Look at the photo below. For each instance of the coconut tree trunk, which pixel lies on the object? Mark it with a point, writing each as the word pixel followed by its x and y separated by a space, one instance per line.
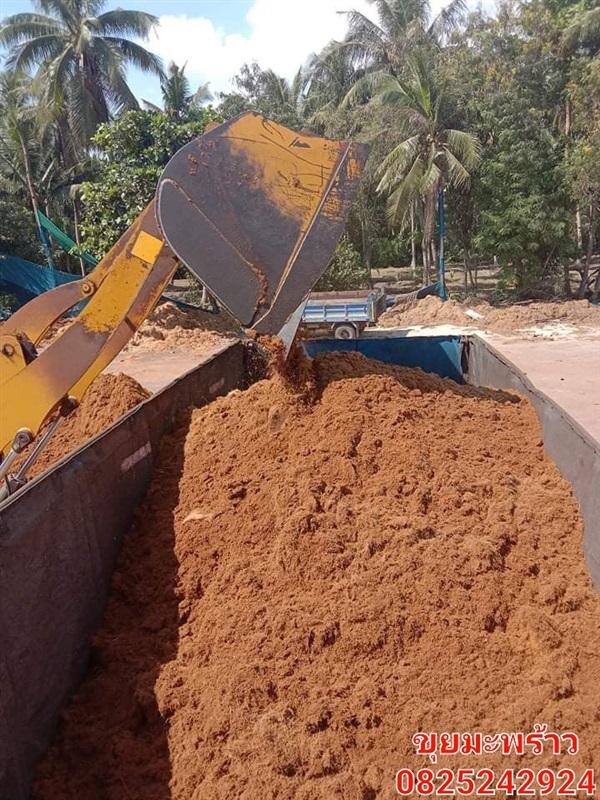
pixel 567 280
pixel 428 235
pixel 93 87
pixel 77 219
pixel 35 205
pixel 588 257
pixel 366 245
pixel 413 244
pixel 596 292
pixel 426 254
pixel 578 230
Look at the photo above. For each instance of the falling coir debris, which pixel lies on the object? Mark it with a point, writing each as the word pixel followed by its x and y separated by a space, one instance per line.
pixel 308 585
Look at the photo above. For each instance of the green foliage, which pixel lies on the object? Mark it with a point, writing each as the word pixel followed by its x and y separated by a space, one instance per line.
pixel 178 99
pixel 135 149
pixel 426 92
pixel 525 216
pixel 8 304
pixel 18 233
pixel 509 78
pixel 344 271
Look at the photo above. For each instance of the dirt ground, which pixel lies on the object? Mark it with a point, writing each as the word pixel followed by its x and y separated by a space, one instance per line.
pixel 319 572
pixel 526 319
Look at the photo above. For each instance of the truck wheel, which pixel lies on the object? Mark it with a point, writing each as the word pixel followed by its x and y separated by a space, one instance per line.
pixel 345 332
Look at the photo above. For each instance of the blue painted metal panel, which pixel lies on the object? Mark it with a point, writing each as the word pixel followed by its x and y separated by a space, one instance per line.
pixel 336 310
pixel 438 354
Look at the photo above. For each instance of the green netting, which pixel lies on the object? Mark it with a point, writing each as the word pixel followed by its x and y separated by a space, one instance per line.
pixel 62 239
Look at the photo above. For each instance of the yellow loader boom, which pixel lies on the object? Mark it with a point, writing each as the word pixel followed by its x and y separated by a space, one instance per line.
pixel 253 209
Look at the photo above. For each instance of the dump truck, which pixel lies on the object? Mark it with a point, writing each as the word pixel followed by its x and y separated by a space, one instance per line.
pixel 345 314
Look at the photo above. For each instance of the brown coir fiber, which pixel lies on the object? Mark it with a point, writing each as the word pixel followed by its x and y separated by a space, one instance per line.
pixel 169 329
pixel 106 400
pixel 308 585
pixel 433 311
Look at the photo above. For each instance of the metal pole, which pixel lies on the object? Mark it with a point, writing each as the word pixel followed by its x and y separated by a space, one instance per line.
pixel 442 262
pixel 35 453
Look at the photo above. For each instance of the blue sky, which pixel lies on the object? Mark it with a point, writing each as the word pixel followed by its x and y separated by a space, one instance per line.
pixel 227 13
pixel 215 37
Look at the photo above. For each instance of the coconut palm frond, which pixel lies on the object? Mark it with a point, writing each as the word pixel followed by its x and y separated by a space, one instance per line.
pixel 400 200
pixel 584 29
pixel 136 55
pixel 202 95
pixel 121 22
pixel 465 146
pixel 397 163
pixel 448 19
pixel 370 85
pixel 20 28
pixel 457 173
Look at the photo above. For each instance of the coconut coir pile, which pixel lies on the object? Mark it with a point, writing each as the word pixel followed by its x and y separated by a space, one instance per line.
pixel 432 311
pixel 170 328
pixel 106 400
pixel 314 579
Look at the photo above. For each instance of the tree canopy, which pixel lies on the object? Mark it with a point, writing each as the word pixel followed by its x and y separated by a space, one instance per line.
pixel 499 115
pixel 80 56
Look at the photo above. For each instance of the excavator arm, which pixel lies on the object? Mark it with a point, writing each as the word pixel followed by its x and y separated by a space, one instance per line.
pixel 253 209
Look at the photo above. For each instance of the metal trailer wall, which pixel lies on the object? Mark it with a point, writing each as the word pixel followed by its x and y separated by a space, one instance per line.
pixel 573 450
pixel 58 546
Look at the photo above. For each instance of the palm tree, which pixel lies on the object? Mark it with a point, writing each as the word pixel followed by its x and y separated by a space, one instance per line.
pixel 25 159
pixel 402 26
pixel 429 157
pixel 584 30
pixel 329 75
pixel 270 94
pixel 81 56
pixel 177 95
pixel 31 168
pixel 282 99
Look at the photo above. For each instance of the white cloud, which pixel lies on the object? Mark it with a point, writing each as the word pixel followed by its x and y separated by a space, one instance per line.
pixel 279 39
pixel 282 36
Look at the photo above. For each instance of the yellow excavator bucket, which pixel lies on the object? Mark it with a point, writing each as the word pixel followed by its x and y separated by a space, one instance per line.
pixel 255 211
